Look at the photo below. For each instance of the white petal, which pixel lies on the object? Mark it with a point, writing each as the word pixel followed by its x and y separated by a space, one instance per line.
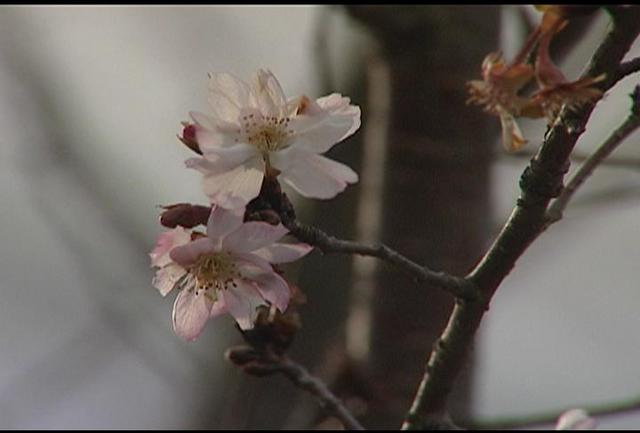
pixel 222 222
pixel 324 123
pixel 268 92
pixel 242 301
pixel 190 313
pixel 234 188
pixel 213 133
pixel 575 419
pixel 283 253
pixel 231 156
pixel 228 95
pixel 167 277
pixel 315 176
pixel 253 235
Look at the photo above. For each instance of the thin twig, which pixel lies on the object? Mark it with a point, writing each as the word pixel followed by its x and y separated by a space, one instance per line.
pixel 263 362
pixel 457 286
pixel 301 377
pixel 606 409
pixel 631 123
pixel 540 183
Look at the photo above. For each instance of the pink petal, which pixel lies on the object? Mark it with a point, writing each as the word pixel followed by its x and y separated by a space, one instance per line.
pixel 242 301
pixel 271 286
pixel 234 188
pixel 165 243
pixel 315 176
pixel 222 222
pixel 190 314
pixel 167 277
pixel 253 235
pixel 283 253
pixel 186 255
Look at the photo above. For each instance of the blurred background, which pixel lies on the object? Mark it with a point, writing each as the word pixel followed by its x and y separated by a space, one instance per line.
pixel 91 99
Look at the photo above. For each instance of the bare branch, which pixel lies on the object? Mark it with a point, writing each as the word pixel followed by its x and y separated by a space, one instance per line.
pixel 508 423
pixel 621 162
pixel 457 286
pixel 261 363
pixel 632 123
pixel 540 183
pixel 628 68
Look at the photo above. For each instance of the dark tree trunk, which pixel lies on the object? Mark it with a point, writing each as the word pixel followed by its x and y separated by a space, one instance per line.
pixel 437 192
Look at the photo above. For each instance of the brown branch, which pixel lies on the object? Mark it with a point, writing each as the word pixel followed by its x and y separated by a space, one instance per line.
pixel 540 183
pixel 508 423
pixel 632 123
pixel 627 68
pixel 459 287
pixel 262 363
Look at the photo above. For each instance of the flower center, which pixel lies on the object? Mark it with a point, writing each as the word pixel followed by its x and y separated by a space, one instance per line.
pixel 214 271
pixel 268 134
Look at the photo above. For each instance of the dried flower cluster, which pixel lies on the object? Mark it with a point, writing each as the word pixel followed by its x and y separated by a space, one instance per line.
pixel 502 83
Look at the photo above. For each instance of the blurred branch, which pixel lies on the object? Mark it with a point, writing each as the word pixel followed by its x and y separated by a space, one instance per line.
pixel 632 123
pixel 621 162
pixel 457 286
pixel 262 363
pixel 540 182
pixel 628 68
pixel 508 423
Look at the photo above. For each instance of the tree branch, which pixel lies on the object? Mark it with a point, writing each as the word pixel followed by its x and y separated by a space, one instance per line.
pixel 632 123
pixel 507 423
pixel 262 363
pixel 628 68
pixel 459 287
pixel 621 162
pixel 540 183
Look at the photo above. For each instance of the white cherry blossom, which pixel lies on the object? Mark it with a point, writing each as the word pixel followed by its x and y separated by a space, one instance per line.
pixel 254 128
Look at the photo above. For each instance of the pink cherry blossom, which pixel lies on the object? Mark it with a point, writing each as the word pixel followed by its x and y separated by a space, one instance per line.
pixel 228 270
pixel 254 128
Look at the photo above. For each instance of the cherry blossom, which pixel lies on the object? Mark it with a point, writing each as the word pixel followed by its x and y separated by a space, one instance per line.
pixel 254 129
pixel 228 270
pixel 575 419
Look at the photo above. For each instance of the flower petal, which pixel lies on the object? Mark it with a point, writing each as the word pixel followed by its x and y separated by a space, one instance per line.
pixel 222 222
pixel 283 253
pixel 233 188
pixel 186 255
pixel 166 242
pixel 242 301
pixel 190 313
pixel 575 419
pixel 227 95
pixel 167 277
pixel 325 122
pixel 315 176
pixel 512 138
pixel 229 157
pixel 268 93
pixel 253 235
pixel 271 286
